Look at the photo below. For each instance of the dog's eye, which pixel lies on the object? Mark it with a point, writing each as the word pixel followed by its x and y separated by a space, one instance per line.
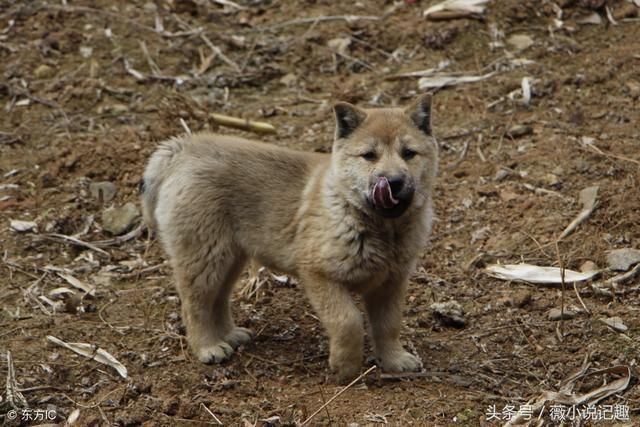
pixel 408 154
pixel 369 155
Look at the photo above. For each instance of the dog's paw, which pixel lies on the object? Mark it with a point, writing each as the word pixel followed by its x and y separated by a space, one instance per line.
pixel 345 374
pixel 215 353
pixel 400 361
pixel 239 336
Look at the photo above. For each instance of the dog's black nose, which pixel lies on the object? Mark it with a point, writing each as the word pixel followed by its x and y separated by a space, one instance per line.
pixel 396 183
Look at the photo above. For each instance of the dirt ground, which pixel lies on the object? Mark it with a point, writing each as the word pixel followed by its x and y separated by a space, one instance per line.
pixel 89 87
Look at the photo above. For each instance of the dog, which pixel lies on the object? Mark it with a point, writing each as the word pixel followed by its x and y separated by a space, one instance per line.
pixel 353 221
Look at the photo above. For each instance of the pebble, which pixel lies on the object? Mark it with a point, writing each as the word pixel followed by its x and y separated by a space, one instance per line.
pixel 105 189
pixel 622 259
pixel 117 220
pixel 450 313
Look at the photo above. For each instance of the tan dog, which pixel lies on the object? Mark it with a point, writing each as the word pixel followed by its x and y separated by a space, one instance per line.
pixel 352 221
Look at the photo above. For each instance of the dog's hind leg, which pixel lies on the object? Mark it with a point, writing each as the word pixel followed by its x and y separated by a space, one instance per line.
pixel 204 281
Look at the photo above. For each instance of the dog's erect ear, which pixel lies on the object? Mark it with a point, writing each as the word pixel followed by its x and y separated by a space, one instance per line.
pixel 348 118
pixel 420 113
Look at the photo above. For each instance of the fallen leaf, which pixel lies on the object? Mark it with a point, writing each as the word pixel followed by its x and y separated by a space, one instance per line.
pixel 443 80
pixel 76 283
pixel 93 353
pixel 566 396
pixel 535 274
pixel 615 323
pixel 520 41
pixel 469 6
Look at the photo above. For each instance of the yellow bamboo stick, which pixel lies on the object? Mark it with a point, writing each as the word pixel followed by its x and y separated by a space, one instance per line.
pixel 244 124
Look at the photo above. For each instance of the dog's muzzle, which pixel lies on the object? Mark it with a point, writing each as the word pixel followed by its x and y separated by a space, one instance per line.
pixel 390 196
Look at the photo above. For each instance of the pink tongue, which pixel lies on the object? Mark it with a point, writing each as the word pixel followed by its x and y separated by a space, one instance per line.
pixel 382 196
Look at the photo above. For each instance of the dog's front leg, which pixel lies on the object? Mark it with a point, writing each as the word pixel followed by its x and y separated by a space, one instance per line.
pixel 342 321
pixel 384 306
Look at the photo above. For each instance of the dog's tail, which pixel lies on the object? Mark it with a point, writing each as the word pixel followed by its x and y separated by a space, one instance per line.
pixel 158 168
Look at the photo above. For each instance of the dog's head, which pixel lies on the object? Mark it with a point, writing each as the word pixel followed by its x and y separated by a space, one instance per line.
pixel 386 158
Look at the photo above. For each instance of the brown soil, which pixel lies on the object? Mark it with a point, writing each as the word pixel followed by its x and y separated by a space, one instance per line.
pixel 74 115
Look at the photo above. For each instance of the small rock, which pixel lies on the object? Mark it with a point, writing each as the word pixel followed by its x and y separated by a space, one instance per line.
pixel 118 220
pixel 507 196
pixel 150 7
pixel 518 131
pixel 86 51
pixel 522 299
pixel 480 234
pixel 23 226
pixel 501 174
pixel 44 72
pixel 340 45
pixel 588 266
pixel 289 80
pixel 556 314
pixel 552 180
pixel 450 313
pixel 633 87
pixel 104 191
pixel 592 19
pixel 520 41
pixel 622 259
pixel 614 323
pixel 114 109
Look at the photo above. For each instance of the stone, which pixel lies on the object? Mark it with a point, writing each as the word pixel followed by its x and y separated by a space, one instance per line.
pixel 44 71
pixel 103 190
pixel 622 259
pixel 117 220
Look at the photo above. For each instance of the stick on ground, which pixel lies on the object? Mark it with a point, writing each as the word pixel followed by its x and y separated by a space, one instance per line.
pixel 305 422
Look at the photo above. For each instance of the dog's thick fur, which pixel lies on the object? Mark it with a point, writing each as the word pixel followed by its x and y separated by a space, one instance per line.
pixel 217 201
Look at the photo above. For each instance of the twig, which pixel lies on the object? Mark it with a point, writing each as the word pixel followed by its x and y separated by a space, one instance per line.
pixel 152 65
pixel 244 124
pixel 216 50
pixel 348 18
pixel 15 399
pixel 135 73
pixel 305 422
pixel 561 323
pixel 185 126
pixel 61 238
pixel 120 239
pixel 145 270
pixel 575 289
pixel 597 150
pixel 460 159
pixel 229 3
pixel 621 278
pixel 211 413
pixel 588 199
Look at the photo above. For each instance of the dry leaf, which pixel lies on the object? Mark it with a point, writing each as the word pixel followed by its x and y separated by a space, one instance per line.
pixel 566 397
pixel 92 352
pixel 442 80
pixel 78 284
pixel 469 6
pixel 615 323
pixel 535 274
